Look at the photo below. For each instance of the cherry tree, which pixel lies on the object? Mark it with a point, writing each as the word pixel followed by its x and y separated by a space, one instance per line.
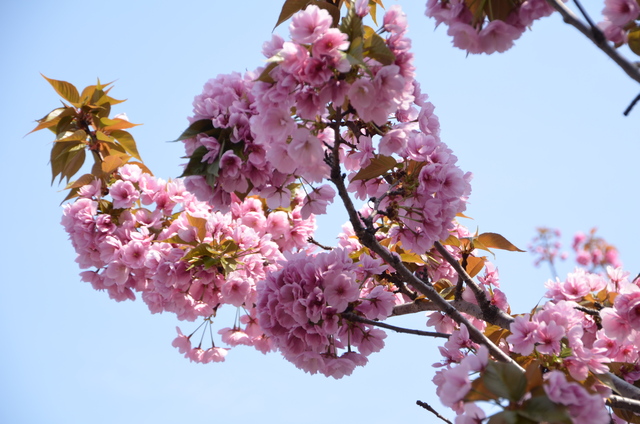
pixel 336 115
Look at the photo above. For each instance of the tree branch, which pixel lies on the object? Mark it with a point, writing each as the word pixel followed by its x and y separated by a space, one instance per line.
pixel 490 313
pixel 433 411
pixel 367 238
pixel 624 403
pixel 356 318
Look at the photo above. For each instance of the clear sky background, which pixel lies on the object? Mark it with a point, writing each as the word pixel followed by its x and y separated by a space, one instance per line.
pixel 540 126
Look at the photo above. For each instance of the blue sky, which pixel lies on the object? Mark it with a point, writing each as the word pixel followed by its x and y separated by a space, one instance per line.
pixel 540 126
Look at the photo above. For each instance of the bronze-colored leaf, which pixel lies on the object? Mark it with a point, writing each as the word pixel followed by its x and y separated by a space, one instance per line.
pixel 52 118
pixel 113 162
pixel 200 224
pixel 289 8
pixel 496 241
pixel 127 142
pixel 475 265
pixel 66 90
pixel 115 124
pixel 451 241
pixel 379 165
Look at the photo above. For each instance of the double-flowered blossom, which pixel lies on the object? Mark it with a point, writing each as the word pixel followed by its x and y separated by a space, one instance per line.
pixel 300 308
pixel 182 256
pixel 492 29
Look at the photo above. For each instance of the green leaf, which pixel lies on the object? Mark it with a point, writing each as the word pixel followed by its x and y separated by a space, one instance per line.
pixel 451 241
pixel 198 127
pixel 495 241
pixel 541 408
pixel 352 25
pixel 195 165
pixel 66 90
pixel 264 75
pixel 505 380
pixel 379 165
pixel 127 142
pixel 633 38
pixel 376 48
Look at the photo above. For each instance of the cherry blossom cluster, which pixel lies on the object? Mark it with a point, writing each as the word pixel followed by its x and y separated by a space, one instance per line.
pixel 594 252
pixel 300 308
pixel 619 17
pixel 155 238
pixel 492 29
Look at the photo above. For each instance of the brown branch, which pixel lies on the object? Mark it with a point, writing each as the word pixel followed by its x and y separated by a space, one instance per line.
pixel 367 237
pixel 490 313
pixel 433 411
pixel 624 403
pixel 357 318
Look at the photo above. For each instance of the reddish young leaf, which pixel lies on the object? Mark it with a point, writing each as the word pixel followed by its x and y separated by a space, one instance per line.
pixel 379 165
pixel 496 241
pixel 66 90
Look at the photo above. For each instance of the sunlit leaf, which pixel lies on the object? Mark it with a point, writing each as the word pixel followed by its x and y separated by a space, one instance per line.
pixel 66 90
pixel 475 265
pixel 497 241
pixel 412 258
pixel 116 124
pixel 633 38
pixel 379 165
pixel 79 135
pixel 126 140
pixel 451 241
pixel 113 162
pixel 52 118
pixel 376 48
pixel 200 224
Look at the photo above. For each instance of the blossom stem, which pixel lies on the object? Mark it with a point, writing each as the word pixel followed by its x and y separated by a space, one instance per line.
pixel 356 318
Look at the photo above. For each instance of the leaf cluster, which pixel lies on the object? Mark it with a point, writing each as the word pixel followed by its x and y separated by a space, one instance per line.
pixel 81 124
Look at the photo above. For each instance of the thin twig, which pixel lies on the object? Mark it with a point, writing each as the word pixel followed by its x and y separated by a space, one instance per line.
pixel 433 411
pixel 624 403
pixel 356 318
pixel 317 243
